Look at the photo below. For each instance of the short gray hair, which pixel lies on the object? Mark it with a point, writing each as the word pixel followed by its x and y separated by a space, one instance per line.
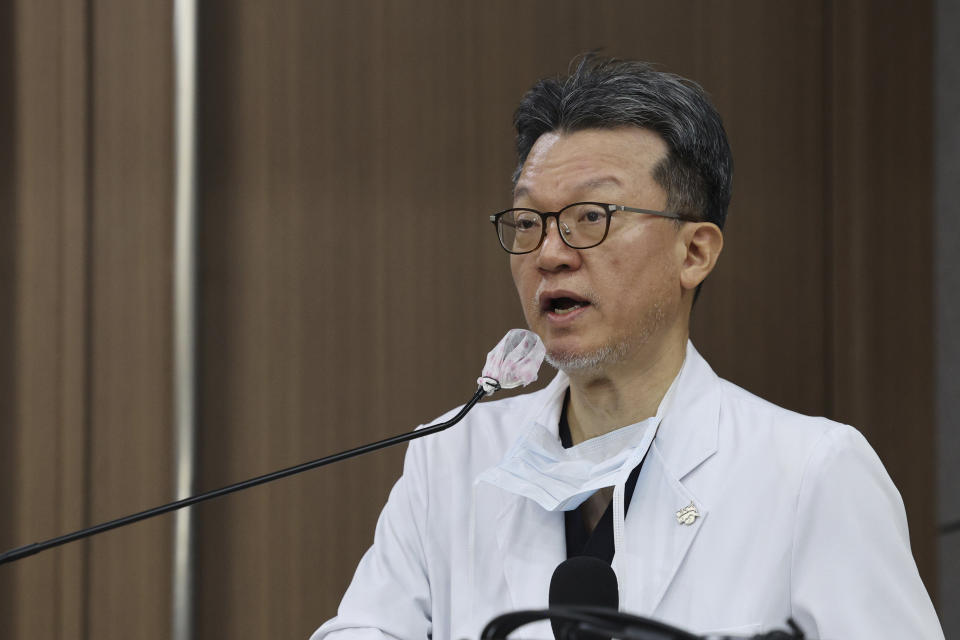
pixel 697 173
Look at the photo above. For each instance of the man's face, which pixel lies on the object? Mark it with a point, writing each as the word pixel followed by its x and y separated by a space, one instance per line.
pixel 615 302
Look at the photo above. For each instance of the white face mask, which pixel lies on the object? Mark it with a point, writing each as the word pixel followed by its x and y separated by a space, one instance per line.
pixel 538 467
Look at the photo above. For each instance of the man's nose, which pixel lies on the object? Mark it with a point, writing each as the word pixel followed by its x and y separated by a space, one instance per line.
pixel 554 254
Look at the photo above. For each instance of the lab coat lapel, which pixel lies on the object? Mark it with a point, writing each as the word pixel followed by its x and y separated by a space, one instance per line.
pixel 656 541
pixel 532 543
pixel 529 541
pixel 515 547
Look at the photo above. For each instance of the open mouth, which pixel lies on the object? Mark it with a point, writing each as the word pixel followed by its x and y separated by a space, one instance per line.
pixel 563 304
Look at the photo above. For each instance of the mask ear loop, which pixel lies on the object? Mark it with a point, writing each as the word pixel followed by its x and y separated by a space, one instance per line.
pixel 619 510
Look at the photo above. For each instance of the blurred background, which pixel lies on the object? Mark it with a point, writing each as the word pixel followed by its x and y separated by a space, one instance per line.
pixel 349 284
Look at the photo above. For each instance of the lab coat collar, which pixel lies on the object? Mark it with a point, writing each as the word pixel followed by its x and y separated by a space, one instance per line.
pixel 688 435
pixel 531 541
pixel 690 431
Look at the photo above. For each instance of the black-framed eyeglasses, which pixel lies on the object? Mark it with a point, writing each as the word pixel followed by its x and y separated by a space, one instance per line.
pixel 582 225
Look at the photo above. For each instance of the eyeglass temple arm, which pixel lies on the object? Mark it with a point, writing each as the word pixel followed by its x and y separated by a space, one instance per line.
pixel 662 214
pixel 493 219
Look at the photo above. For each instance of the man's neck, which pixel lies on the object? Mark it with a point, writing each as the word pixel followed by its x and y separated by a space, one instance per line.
pixel 622 394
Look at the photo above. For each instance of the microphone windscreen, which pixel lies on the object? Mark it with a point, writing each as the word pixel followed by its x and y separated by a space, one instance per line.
pixel 583 581
pixel 513 362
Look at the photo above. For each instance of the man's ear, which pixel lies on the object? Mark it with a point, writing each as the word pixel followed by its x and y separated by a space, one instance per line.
pixel 703 242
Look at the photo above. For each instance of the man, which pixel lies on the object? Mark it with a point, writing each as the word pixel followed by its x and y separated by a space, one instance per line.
pixel 719 512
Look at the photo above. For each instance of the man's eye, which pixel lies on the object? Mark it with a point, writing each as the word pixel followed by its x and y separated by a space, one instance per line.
pixel 528 223
pixel 591 216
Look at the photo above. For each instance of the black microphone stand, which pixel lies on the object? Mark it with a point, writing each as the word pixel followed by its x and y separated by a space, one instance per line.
pixel 586 622
pixel 581 623
pixel 36 547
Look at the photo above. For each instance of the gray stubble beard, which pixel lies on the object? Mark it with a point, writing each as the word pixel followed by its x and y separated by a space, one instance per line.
pixel 609 354
pixel 592 361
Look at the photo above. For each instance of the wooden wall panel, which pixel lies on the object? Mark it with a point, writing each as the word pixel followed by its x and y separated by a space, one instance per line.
pixel 8 270
pixel 8 287
pixel 75 312
pixel 86 429
pixel 130 362
pixel 880 302
pixel 45 421
pixel 766 297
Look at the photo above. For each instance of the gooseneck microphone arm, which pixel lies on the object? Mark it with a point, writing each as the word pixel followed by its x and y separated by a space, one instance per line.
pixel 36 547
pixel 584 623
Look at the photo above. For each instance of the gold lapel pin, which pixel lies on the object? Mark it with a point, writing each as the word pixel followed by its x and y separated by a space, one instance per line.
pixel 688 514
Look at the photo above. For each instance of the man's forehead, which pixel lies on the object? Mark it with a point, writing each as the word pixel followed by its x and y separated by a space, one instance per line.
pixel 590 184
pixel 589 159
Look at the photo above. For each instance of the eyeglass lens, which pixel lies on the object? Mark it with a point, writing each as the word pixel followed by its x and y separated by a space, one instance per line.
pixel 580 225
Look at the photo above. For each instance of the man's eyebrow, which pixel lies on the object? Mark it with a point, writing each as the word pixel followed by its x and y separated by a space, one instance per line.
pixel 587 185
pixel 602 181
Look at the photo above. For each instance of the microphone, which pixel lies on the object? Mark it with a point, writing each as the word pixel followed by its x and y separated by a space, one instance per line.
pixel 512 363
pixel 582 581
pixel 584 602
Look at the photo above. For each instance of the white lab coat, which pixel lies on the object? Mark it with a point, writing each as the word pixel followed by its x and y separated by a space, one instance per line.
pixel 797 517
